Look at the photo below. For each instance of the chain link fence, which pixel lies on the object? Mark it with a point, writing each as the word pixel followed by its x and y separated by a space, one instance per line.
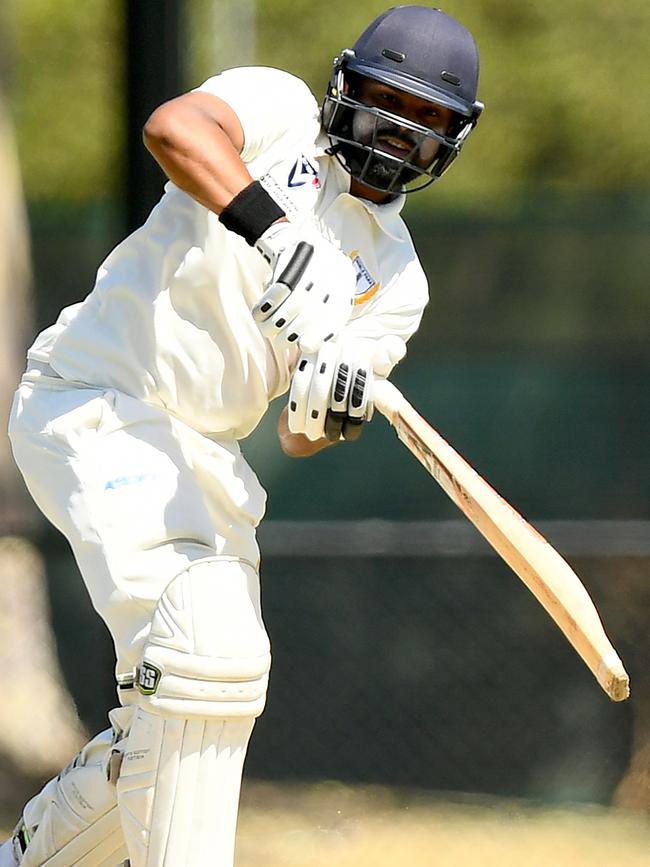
pixel 414 688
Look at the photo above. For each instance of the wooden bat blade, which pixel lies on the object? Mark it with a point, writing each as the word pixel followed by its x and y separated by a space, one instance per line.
pixel 546 574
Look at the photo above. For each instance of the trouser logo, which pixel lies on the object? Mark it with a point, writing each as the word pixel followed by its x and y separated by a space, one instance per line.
pixel 148 678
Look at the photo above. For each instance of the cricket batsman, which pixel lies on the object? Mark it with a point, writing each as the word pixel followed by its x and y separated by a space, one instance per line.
pixel 276 261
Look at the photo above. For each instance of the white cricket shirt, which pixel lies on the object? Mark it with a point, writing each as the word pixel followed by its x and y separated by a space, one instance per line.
pixel 169 320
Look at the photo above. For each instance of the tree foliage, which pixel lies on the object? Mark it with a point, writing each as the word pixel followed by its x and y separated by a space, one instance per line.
pixel 67 97
pixel 565 83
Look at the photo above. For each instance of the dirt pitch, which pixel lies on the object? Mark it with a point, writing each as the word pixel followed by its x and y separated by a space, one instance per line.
pixel 335 825
pixel 332 825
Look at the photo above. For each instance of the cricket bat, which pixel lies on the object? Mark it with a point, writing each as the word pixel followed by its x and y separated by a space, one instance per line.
pixel 546 574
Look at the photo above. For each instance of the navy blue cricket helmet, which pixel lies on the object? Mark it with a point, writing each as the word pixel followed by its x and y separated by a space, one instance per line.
pixel 425 53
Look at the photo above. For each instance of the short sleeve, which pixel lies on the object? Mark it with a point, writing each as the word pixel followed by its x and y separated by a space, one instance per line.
pixel 397 311
pixel 271 105
pixel 391 320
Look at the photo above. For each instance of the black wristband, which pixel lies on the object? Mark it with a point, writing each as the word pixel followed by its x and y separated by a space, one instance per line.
pixel 251 212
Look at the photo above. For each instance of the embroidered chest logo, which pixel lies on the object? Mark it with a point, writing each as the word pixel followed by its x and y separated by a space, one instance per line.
pixel 366 286
pixel 304 172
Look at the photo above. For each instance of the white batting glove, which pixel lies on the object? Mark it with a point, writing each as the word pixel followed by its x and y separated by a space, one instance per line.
pixel 311 292
pixel 331 392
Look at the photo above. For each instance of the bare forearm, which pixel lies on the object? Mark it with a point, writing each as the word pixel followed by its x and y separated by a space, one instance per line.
pixel 196 140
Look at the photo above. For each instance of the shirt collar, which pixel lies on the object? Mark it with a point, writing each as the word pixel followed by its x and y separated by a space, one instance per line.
pixel 387 216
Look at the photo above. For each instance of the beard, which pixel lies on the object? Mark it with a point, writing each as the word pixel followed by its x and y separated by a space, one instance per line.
pixel 381 170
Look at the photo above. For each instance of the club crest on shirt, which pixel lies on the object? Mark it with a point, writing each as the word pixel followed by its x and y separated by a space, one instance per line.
pixel 303 172
pixel 366 286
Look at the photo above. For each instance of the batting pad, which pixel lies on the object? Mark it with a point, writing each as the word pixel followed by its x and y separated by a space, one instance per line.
pixel 102 845
pixel 202 682
pixel 178 790
pixel 207 655
pixel 74 819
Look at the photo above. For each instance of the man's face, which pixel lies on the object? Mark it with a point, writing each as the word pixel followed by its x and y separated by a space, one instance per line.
pixel 391 137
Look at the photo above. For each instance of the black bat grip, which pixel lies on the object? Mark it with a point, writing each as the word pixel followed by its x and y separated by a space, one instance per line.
pixel 296 265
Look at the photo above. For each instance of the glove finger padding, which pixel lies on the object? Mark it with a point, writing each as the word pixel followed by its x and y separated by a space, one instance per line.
pixel 331 392
pixel 298 395
pixel 351 388
pixel 311 292
pixel 351 397
pixel 323 327
pixel 310 392
pixel 280 303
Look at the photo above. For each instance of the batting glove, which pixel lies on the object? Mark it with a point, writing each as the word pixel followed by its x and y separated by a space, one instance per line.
pixel 331 392
pixel 311 292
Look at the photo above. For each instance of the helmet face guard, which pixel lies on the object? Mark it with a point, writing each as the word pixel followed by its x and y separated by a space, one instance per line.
pixel 424 53
pixel 353 129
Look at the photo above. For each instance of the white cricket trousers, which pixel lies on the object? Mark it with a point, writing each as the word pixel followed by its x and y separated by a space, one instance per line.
pixel 141 498
pixel 138 494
